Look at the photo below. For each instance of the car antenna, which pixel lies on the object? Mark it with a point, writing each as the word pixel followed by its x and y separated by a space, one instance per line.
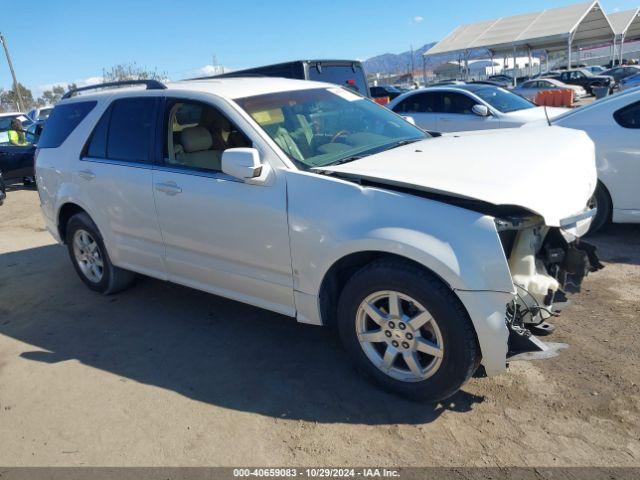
pixel 546 114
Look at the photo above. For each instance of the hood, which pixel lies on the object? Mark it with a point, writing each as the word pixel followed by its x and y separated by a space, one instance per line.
pixel 549 171
pixel 537 113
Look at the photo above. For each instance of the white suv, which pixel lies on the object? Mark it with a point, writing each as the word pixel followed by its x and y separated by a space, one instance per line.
pixel 430 255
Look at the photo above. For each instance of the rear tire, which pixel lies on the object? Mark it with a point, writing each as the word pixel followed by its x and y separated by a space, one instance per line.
pixel 90 258
pixel 602 202
pixel 430 362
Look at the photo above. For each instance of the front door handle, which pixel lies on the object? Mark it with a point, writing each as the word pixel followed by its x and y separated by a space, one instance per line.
pixel 170 188
pixel 87 174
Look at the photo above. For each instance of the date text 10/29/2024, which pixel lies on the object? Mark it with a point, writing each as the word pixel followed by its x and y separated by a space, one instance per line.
pixel 316 472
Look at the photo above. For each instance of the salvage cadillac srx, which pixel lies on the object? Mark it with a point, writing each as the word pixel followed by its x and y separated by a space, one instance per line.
pixel 431 256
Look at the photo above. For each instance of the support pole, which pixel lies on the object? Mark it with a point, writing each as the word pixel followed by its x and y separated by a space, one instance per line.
pixel 613 51
pixel 569 54
pixel 515 81
pixel 16 87
pixel 621 47
pixel 466 65
pixel 530 66
pixel 546 59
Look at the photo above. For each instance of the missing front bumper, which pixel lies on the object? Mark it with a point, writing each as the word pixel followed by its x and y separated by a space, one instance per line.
pixel 530 347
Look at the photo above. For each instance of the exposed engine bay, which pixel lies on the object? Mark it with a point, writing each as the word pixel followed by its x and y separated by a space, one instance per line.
pixel 546 264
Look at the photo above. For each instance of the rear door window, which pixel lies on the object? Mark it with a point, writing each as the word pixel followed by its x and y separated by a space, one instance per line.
pixel 629 117
pixel 418 103
pixel 131 129
pixel 97 147
pixel 62 121
pixel 125 131
pixel 457 103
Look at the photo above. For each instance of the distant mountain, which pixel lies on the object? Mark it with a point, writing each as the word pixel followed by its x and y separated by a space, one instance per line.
pixel 400 62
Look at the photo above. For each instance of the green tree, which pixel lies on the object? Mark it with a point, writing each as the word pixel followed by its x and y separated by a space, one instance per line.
pixel 131 71
pixel 9 100
pixel 53 96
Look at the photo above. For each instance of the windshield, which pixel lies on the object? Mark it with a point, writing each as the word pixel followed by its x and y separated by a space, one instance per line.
pixel 502 100
pixel 44 113
pixel 325 126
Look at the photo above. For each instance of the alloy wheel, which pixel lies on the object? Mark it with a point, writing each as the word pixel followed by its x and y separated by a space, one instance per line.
pixel 88 255
pixel 399 336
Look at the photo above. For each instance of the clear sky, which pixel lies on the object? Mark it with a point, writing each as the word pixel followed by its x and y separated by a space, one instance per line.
pixel 58 41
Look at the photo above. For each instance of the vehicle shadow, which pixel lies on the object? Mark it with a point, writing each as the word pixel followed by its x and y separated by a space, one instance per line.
pixel 201 346
pixel 14 187
pixel 618 243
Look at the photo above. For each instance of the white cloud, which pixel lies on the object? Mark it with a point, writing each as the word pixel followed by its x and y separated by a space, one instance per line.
pixel 210 70
pixel 418 19
pixel 38 90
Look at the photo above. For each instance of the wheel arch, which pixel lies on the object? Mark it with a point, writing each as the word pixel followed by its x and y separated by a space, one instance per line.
pixel 339 273
pixel 65 212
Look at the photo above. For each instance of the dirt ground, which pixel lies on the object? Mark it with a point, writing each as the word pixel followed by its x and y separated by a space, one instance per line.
pixel 163 375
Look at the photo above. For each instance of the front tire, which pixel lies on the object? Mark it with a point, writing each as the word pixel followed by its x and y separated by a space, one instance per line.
pixel 90 258
pixel 407 331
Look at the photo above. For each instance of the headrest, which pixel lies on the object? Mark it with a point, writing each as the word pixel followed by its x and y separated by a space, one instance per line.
pixel 196 139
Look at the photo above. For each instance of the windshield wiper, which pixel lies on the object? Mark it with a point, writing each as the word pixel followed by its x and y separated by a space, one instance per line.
pixel 371 152
pixel 402 143
pixel 352 158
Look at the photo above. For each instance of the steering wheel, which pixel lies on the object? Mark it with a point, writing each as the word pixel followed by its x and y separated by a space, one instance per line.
pixel 338 135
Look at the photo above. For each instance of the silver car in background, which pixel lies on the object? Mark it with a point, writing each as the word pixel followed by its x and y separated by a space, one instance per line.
pixel 531 88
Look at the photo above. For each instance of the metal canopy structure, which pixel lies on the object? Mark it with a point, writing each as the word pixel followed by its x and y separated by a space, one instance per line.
pixel 550 29
pixel 555 29
pixel 626 23
pixel 626 26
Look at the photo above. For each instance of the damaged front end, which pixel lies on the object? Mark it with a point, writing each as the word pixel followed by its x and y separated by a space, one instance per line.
pixel 546 264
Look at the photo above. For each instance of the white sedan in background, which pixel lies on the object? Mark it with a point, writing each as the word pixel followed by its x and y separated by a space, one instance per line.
pixel 469 107
pixel 531 88
pixel 613 124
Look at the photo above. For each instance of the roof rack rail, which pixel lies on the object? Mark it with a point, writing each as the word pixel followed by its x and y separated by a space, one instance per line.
pixel 150 84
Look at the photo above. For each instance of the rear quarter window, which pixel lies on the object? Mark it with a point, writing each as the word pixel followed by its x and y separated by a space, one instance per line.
pixel 62 121
pixel 629 116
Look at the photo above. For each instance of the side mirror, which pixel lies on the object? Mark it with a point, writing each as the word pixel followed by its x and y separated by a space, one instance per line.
pixel 241 163
pixel 411 120
pixel 481 110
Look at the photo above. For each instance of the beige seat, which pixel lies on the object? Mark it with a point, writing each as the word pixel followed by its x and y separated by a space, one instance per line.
pixel 196 152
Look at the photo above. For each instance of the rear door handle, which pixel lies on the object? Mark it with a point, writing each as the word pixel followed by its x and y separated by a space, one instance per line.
pixel 87 174
pixel 170 188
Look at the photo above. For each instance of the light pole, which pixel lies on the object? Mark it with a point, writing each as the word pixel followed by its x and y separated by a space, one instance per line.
pixel 16 88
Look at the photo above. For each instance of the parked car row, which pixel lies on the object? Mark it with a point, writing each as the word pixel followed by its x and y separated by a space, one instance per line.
pixel 431 256
pixel 17 155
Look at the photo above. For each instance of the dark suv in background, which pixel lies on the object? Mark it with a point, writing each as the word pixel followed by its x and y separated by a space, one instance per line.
pixel 346 73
